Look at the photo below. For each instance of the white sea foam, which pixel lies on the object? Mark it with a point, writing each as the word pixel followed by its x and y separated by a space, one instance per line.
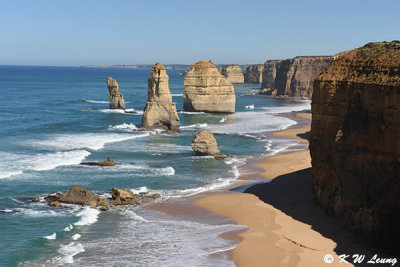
pixel 94 141
pixel 97 101
pixel 88 216
pixel 250 106
pixel 223 120
pixel 15 164
pixel 176 94
pixel 76 236
pixel 197 125
pixel 116 111
pixel 251 122
pixel 51 237
pixel 68 228
pixel 68 252
pixel 6 211
pixel 299 106
pixel 139 190
pixel 191 112
pixel 123 127
pixel 38 213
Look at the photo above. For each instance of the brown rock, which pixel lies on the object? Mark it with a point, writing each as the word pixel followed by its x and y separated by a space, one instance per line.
pixel 233 73
pixel 204 144
pixel 106 163
pixel 115 97
pixel 355 141
pixel 80 196
pixel 123 197
pixel 254 73
pixel 159 112
pixel 207 90
pixel 293 77
pixel 55 204
pixel 105 208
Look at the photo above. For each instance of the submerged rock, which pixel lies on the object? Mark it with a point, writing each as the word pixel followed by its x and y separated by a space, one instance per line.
pixel 115 97
pixel 207 90
pixel 204 144
pixel 233 73
pixel 106 163
pixel 355 141
pixel 160 112
pixel 79 196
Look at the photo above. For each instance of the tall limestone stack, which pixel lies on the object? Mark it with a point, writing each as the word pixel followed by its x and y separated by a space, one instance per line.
pixel 293 77
pixel 355 141
pixel 159 112
pixel 115 97
pixel 207 90
pixel 254 73
pixel 233 73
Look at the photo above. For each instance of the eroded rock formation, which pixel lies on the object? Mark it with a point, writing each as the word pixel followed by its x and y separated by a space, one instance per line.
pixel 159 112
pixel 292 77
pixel 77 195
pixel 207 90
pixel 233 73
pixel 355 141
pixel 254 73
pixel 115 97
pixel 204 144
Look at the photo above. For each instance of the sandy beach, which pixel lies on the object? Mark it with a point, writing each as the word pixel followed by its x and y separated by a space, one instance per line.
pixel 274 238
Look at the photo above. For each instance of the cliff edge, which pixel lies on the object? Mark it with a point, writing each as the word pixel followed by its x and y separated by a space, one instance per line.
pixel 355 141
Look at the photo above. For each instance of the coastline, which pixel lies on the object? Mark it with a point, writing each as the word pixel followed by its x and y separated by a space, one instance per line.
pixel 272 238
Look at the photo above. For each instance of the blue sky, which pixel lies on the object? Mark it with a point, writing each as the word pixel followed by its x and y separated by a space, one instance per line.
pixel 50 32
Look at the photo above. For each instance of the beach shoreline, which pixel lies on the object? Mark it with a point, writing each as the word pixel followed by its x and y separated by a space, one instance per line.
pixel 272 238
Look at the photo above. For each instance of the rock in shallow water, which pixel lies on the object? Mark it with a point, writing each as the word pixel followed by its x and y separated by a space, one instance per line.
pixel 207 90
pixel 160 112
pixel 106 163
pixel 79 196
pixel 204 144
pixel 115 97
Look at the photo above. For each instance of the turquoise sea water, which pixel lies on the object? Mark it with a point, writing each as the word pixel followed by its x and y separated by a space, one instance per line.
pixel 53 118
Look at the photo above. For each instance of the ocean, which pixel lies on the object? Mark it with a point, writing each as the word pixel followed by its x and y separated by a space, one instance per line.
pixel 53 118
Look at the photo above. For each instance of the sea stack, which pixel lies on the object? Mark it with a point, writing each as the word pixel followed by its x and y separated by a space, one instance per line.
pixel 355 141
pixel 160 112
pixel 233 73
pixel 254 73
pixel 204 144
pixel 292 77
pixel 115 97
pixel 207 90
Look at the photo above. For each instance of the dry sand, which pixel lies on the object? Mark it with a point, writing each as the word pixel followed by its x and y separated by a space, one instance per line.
pixel 274 238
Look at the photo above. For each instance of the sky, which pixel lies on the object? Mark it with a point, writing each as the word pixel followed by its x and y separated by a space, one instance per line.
pixel 100 32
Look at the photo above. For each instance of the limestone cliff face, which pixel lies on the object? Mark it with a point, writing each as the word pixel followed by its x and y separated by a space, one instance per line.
pixel 233 73
pixel 207 90
pixel 355 141
pixel 292 77
pixel 115 97
pixel 254 73
pixel 159 112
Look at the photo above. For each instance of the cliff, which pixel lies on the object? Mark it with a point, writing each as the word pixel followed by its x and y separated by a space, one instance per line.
pixel 254 73
pixel 115 97
pixel 292 77
pixel 207 90
pixel 159 112
pixel 355 141
pixel 233 73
